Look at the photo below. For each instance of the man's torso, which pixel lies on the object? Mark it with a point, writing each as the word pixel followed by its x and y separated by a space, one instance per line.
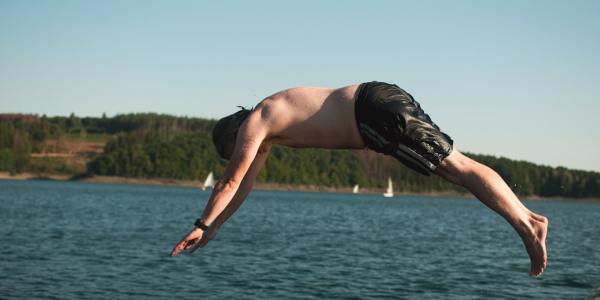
pixel 309 117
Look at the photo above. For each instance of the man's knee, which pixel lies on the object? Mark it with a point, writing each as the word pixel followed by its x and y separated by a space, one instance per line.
pixel 455 167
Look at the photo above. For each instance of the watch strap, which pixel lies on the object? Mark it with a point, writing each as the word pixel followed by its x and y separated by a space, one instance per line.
pixel 199 224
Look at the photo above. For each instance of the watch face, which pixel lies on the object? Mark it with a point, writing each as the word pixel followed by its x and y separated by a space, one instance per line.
pixel 200 225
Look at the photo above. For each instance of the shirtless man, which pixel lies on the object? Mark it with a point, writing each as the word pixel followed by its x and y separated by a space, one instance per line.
pixel 374 115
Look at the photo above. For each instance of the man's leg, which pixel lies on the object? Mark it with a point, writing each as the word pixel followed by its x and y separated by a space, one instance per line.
pixel 490 189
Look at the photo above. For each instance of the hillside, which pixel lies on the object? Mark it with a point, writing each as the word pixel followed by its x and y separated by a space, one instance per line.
pixel 168 147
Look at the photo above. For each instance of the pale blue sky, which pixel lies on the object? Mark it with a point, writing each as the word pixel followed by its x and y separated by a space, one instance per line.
pixel 514 78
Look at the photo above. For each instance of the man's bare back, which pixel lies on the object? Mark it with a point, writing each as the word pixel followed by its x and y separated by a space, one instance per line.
pixel 327 118
pixel 312 117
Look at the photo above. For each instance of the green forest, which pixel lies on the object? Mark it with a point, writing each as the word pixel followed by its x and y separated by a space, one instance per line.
pixel 163 146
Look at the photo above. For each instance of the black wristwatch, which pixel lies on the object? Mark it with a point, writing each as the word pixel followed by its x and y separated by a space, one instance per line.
pixel 200 225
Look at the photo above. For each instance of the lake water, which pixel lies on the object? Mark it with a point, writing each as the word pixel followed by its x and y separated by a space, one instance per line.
pixel 69 240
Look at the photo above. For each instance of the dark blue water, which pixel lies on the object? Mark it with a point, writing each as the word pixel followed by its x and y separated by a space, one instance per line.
pixel 90 241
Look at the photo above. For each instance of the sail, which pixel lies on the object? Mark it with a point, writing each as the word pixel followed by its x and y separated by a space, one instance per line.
pixel 355 189
pixel 209 182
pixel 390 190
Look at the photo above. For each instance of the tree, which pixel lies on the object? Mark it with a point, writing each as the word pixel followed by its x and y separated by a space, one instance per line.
pixel 7 161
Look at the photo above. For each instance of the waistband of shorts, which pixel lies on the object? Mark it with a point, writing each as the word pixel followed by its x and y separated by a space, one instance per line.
pixel 361 97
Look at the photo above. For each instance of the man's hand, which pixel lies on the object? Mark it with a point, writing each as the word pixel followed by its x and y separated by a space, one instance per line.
pixel 196 238
pixel 188 240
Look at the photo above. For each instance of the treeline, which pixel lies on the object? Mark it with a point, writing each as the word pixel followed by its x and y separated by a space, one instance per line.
pixel 530 179
pixel 40 128
pixel 192 156
pixel 163 146
pixel 144 122
pixel 21 134
pixel 144 155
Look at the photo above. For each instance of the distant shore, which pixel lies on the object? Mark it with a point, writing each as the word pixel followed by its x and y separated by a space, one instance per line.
pixel 259 186
pixel 198 184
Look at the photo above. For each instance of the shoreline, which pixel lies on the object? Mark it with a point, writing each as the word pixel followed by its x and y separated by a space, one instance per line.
pixel 99 179
pixel 259 186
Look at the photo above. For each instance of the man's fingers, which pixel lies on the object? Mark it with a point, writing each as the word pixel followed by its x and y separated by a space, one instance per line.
pixel 192 241
pixel 187 241
pixel 183 245
pixel 180 246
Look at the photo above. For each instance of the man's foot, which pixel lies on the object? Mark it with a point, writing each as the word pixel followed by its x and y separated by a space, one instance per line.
pixel 534 239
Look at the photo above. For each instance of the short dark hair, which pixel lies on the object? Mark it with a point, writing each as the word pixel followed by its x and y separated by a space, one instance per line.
pixel 226 129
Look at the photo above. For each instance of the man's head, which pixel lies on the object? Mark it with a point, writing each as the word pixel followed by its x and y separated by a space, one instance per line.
pixel 225 132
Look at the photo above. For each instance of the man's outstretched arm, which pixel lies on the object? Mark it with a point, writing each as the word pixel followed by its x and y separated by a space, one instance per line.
pixel 239 175
pixel 236 202
pixel 245 187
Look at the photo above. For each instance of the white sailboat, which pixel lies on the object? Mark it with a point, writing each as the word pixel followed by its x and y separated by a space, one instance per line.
pixel 355 189
pixel 209 182
pixel 390 190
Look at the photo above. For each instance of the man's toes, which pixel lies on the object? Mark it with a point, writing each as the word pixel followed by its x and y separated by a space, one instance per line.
pixel 535 271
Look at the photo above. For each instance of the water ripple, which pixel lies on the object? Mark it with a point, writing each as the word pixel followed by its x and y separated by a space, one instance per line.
pixel 87 241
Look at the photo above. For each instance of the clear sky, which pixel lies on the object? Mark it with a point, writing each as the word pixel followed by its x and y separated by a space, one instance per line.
pixel 513 78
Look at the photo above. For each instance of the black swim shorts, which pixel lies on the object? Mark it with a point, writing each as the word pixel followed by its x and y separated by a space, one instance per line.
pixel 391 122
